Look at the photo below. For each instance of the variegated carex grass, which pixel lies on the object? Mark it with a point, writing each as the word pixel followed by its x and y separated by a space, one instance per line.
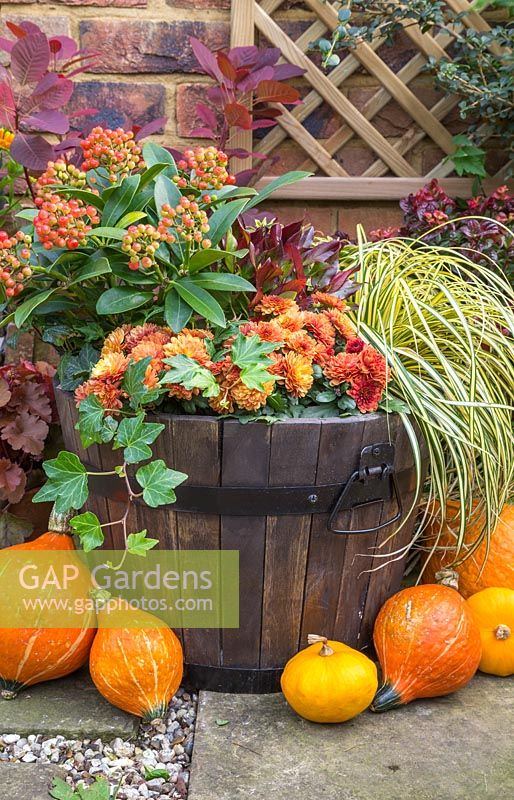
pixel 445 326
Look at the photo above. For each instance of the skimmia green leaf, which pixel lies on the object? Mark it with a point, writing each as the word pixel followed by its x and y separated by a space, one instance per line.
pixel 200 301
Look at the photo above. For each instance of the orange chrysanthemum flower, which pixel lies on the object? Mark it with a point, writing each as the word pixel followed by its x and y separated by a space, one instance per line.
pixel 147 348
pixel 367 393
pixel 137 333
pixel 187 345
pixel 320 327
pixel 223 403
pixel 111 366
pixel 301 342
pixel 291 320
pixel 107 393
pixel 295 370
pixel 274 305
pixel 341 368
pixel 340 322
pixel 373 363
pixel 328 300
pixel 250 399
pixel 268 331
pixel 198 332
pixel 113 342
pixel 178 391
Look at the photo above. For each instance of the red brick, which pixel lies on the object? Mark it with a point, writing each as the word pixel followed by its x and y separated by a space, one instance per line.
pixel 356 158
pixel 188 95
pixel 103 3
pixel 399 54
pixel 51 24
pixel 392 120
pixel 132 46
pixel 222 5
pixel 119 104
pixel 431 156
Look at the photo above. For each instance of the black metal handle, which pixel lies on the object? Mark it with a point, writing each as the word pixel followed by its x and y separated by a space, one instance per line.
pixel 376 463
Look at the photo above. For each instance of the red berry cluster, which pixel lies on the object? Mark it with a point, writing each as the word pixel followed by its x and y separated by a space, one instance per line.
pixel 208 167
pixel 61 173
pixel 64 223
pixel 115 150
pixel 188 220
pixel 14 258
pixel 141 243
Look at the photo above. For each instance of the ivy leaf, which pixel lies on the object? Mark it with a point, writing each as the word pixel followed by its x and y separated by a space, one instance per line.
pixel 66 484
pixel 134 434
pixel 133 385
pixel 138 544
pixel 191 375
pixel 73 369
pixel 249 350
pixel 61 791
pixel 88 529
pixel 93 425
pixel 250 354
pixel 158 482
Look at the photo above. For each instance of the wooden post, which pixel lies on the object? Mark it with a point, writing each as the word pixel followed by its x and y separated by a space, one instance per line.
pixel 242 33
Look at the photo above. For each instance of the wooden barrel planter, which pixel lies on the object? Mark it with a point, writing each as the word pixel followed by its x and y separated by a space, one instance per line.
pixel 306 503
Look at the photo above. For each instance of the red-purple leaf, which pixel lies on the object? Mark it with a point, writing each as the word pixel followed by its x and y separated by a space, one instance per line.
pixel 238 152
pixel 12 481
pixel 267 56
pixel 215 95
pixel 203 133
pixel 263 123
pixel 206 114
pixel 272 113
pixel 30 58
pixel 252 80
pixel 243 56
pixel 275 92
pixel 17 30
pixel 244 177
pixel 155 126
pixel 205 58
pixel 32 151
pixel 283 72
pixel 238 116
pixel 67 144
pixel 226 67
pixel 65 46
pixel 83 112
pixel 30 27
pixel 6 44
pixel 48 121
pixel 7 107
pixel 52 92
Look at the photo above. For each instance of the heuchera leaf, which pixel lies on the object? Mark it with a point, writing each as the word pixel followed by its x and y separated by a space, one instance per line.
pixel 30 58
pixel 32 151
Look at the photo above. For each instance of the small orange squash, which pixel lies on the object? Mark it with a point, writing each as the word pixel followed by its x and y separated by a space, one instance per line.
pixel 493 611
pixel 33 655
pixel 136 661
pixel 472 573
pixel 427 643
pixel 329 681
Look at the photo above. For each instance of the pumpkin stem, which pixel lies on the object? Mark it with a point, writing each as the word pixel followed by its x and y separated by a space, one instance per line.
pixel 313 638
pixel 502 632
pixel 386 698
pixel 60 522
pixel 448 577
pixel 9 689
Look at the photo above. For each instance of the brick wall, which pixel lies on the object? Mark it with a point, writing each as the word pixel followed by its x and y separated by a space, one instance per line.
pixel 147 70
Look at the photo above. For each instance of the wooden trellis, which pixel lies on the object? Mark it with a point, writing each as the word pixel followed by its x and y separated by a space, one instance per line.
pixel 391 175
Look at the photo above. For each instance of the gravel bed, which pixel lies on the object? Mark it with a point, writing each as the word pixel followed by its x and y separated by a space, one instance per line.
pixel 164 745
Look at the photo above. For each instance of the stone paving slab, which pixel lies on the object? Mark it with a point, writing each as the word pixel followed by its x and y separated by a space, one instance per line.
pixel 26 781
pixel 71 707
pixel 459 747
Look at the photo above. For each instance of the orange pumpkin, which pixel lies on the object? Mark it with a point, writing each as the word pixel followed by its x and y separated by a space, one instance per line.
pixel 33 655
pixel 473 574
pixel 427 643
pixel 493 611
pixel 136 662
